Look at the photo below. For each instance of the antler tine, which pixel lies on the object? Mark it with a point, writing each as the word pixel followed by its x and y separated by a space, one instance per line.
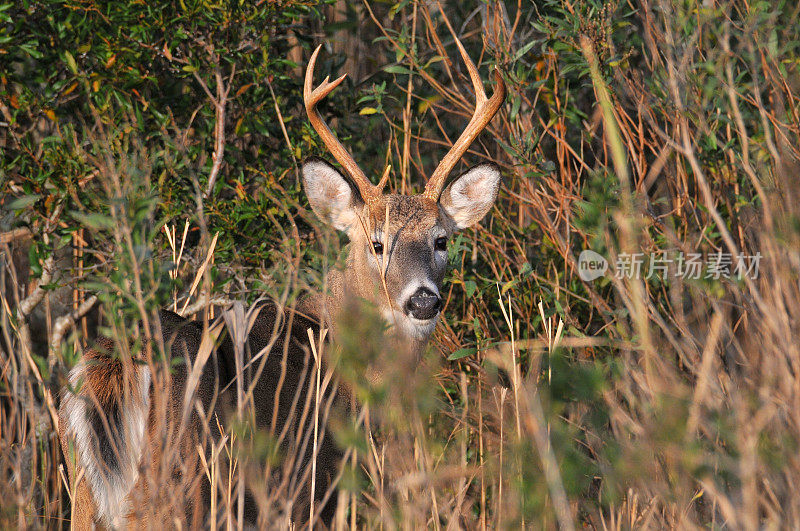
pixel 474 76
pixel 385 177
pixel 485 109
pixel 311 98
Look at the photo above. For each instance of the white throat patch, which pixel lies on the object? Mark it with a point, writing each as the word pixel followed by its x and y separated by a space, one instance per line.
pixel 409 326
pixel 406 324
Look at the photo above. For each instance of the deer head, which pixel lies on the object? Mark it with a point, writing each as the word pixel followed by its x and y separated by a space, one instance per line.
pixel 398 243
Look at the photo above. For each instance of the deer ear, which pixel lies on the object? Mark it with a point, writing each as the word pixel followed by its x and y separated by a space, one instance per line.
pixel 467 199
pixel 330 195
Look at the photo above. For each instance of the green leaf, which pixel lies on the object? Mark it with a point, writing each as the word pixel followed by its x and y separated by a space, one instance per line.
pixel 397 69
pixel 522 51
pixel 73 66
pixel 469 288
pixel 434 59
pixel 462 353
pixel 34 259
pixel 20 203
pixel 94 220
pixel 515 107
pixel 507 286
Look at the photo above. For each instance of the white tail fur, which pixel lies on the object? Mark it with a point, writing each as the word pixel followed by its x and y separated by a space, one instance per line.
pixel 109 445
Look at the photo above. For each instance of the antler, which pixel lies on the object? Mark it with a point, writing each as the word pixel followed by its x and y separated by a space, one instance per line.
pixel 484 112
pixel 368 190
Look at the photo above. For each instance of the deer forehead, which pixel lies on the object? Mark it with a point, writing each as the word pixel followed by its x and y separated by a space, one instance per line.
pixel 412 214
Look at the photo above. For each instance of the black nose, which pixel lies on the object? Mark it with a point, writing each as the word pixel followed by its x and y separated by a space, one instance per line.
pixel 423 304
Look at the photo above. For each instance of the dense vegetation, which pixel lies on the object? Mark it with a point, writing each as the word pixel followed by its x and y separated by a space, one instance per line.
pixel 150 156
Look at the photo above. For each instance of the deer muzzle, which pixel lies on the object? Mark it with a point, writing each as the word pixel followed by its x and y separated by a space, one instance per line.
pixel 423 304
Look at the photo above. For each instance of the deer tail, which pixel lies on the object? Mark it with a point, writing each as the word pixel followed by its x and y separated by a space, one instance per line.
pixel 106 414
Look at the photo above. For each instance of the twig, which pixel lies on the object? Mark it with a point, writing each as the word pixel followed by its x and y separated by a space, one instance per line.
pixel 30 302
pixel 317 352
pixel 203 303
pixel 14 234
pixel 283 130
pixel 200 271
pixel 65 323
pixel 24 309
pixel 404 172
pixel 220 102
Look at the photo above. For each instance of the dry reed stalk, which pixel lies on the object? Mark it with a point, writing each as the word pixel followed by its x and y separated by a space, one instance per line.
pixel 201 271
pixel 316 350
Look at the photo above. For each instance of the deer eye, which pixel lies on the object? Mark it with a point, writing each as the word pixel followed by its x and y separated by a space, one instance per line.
pixel 377 247
pixel 440 244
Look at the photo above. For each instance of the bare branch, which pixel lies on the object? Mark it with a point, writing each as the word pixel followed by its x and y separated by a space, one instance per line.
pixel 220 102
pixel 283 129
pixel 65 323
pixel 14 234
pixel 30 302
pixel 203 303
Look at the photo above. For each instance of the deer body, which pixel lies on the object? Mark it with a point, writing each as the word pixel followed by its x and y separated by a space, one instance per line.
pixel 396 260
pixel 112 453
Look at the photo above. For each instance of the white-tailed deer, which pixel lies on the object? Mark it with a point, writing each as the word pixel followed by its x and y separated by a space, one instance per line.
pixel 396 260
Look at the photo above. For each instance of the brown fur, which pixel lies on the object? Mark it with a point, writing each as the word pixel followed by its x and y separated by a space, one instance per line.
pixel 106 376
pixel 173 461
pixel 83 508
